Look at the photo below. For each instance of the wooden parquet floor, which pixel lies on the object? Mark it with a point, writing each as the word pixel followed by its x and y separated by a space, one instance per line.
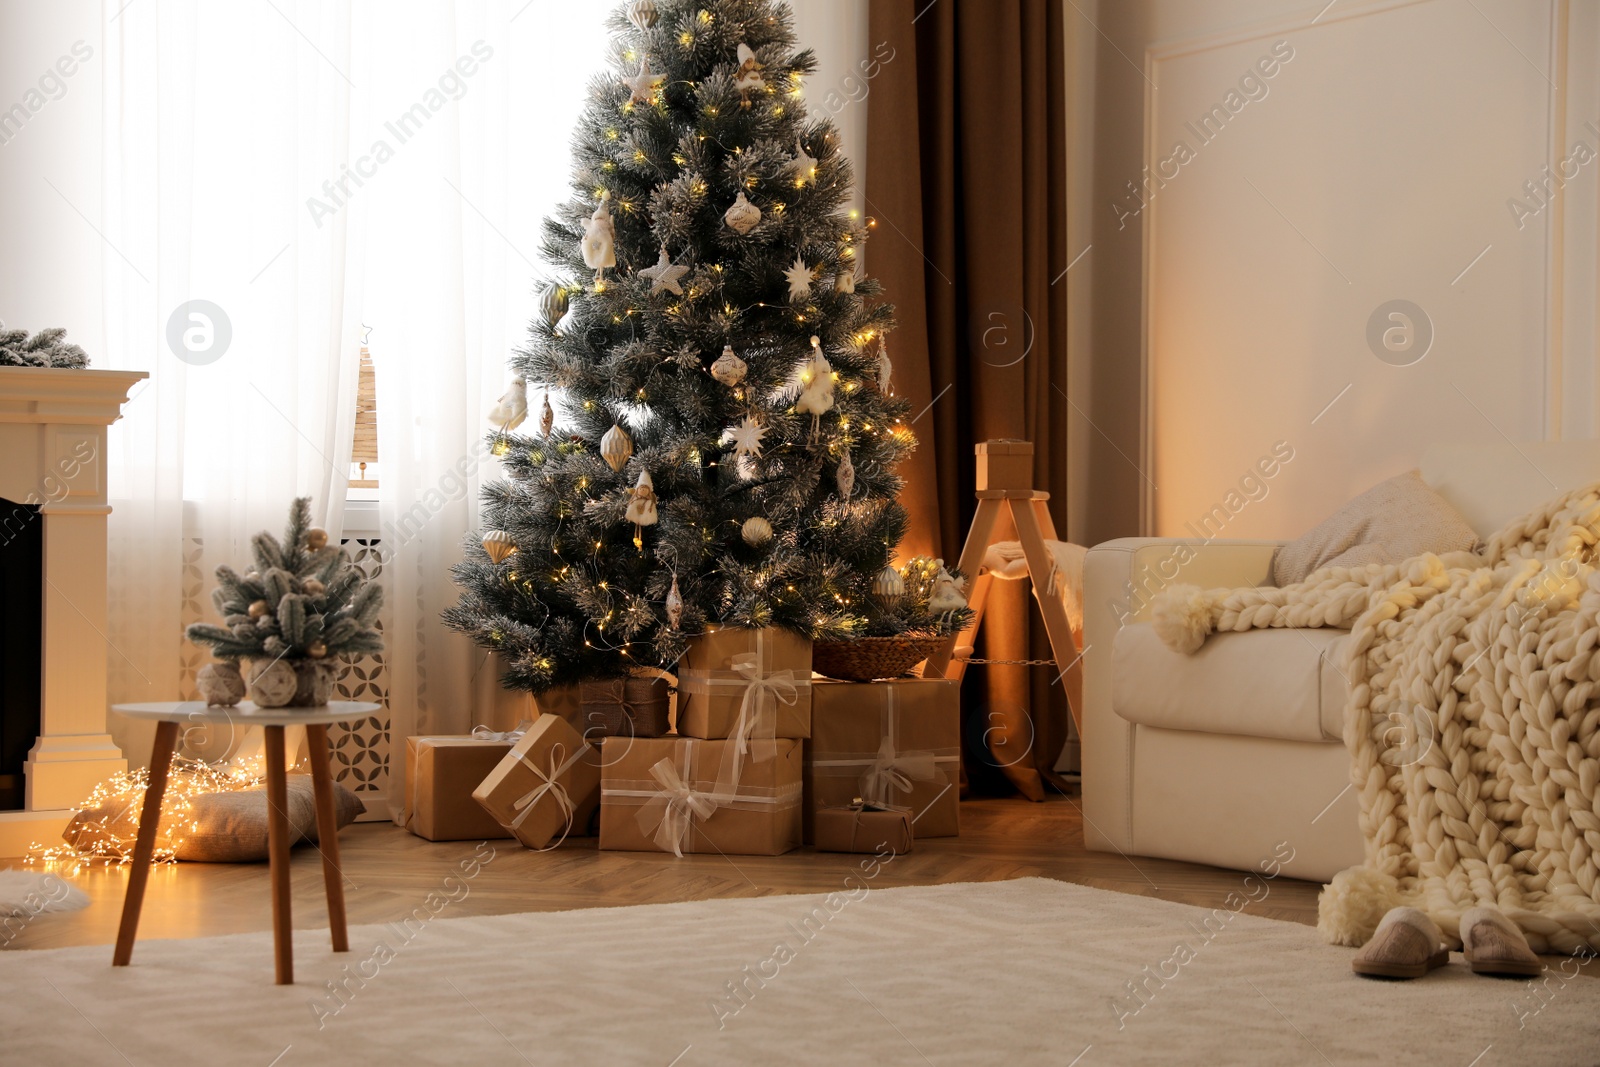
pixel 389 872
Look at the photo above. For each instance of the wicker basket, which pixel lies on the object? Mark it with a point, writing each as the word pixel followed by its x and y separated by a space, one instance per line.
pixel 626 707
pixel 868 658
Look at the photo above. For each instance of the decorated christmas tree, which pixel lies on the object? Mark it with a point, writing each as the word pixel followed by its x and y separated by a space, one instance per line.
pixel 729 440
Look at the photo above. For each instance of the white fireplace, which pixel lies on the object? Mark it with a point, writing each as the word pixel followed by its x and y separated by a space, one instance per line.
pixel 52 454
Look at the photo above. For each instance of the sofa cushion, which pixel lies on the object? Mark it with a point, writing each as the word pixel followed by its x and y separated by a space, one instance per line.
pixel 1261 683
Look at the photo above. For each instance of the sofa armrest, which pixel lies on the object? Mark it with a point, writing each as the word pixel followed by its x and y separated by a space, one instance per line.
pixel 1120 580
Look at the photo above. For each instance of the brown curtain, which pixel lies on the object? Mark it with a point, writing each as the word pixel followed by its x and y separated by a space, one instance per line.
pixel 966 181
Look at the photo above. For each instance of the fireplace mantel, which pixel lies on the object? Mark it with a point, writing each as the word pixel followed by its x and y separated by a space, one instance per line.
pixel 52 453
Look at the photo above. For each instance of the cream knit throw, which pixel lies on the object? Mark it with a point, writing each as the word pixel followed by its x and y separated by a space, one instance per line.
pixel 1473 723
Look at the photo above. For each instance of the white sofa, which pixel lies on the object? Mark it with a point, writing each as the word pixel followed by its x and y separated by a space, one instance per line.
pixel 1217 757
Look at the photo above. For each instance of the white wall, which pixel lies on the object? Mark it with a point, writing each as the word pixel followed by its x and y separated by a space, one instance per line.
pixel 1374 164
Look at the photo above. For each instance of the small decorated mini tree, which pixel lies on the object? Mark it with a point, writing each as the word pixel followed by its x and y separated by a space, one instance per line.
pixel 301 608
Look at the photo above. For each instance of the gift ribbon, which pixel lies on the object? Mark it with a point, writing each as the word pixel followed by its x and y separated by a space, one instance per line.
pixel 670 804
pixel 549 786
pixel 895 770
pixel 758 704
pixel 619 697
pixel 483 733
pixel 889 769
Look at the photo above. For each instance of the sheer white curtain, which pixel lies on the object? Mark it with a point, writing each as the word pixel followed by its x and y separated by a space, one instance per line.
pixel 307 167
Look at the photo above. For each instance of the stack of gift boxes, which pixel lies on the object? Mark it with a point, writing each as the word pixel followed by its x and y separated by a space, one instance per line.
pixel 764 757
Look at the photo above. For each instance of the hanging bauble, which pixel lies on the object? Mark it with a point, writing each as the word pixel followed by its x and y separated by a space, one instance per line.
pixel 888 586
pixel 642 13
pixel 499 545
pixel 641 507
pixel 885 367
pixel 220 684
pixel 512 408
pixel 800 276
pixel 846 476
pixel 547 417
pixel 674 604
pixel 756 531
pixel 312 587
pixel 554 304
pixel 258 609
pixel 599 244
pixel 317 649
pixel 316 538
pixel 729 369
pixel 845 282
pixel 615 448
pixel 742 216
pixel 748 77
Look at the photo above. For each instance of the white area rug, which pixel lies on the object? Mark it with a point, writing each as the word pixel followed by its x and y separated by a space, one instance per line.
pixel 1024 972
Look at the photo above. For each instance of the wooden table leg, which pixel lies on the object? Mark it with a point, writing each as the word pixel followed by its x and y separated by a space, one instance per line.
pixel 144 847
pixel 328 834
pixel 278 854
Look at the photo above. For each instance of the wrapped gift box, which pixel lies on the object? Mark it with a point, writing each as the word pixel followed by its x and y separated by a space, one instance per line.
pixel 441 773
pixel 546 787
pixel 743 681
pixel 862 828
pixel 627 707
pixel 892 744
pixel 663 794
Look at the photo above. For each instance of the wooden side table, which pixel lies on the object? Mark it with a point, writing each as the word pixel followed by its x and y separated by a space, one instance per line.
pixel 169 717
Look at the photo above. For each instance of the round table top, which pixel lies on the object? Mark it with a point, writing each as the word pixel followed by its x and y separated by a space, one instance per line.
pixel 248 714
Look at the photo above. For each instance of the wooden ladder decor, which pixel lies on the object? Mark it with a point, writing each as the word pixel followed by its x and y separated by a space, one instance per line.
pixel 1005 484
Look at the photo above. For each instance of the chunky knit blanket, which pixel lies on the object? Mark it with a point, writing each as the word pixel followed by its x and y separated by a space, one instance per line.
pixel 1473 722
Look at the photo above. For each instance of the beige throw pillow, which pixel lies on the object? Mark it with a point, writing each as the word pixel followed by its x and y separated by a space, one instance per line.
pixel 1389 523
pixel 225 827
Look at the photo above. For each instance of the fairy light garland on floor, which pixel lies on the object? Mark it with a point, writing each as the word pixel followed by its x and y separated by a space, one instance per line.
pixel 109 839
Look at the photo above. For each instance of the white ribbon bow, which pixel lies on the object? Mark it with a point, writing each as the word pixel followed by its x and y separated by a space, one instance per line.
pixel 754 711
pixel 669 814
pixel 483 733
pixel 550 786
pixel 892 770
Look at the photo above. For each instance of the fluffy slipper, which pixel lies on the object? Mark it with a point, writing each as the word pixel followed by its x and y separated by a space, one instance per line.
pixel 1406 944
pixel 1492 944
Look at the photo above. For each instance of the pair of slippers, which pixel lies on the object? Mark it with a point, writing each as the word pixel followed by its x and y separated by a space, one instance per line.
pixel 1408 944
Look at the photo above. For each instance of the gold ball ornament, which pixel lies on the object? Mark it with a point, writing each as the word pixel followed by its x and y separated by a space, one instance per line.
pixel 258 609
pixel 499 545
pixel 615 448
pixel 316 650
pixel 316 538
pixel 756 531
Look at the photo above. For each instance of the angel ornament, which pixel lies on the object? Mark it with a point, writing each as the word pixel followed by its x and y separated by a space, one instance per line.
pixel 747 78
pixel 642 507
pixel 946 596
pixel 816 387
pixel 599 243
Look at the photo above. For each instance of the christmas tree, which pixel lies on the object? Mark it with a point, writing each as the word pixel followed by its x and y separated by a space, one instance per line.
pixel 728 451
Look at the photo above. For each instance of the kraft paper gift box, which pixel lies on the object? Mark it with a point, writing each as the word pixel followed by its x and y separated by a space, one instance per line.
pixel 441 773
pixel 546 788
pixel 891 744
pixel 862 828
pixel 663 794
pixel 745 683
